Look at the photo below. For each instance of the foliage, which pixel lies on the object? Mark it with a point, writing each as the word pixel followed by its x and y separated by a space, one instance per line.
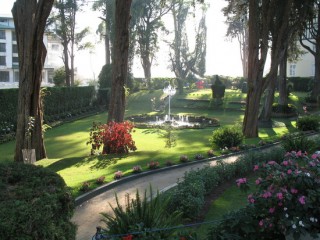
pixel 105 77
pixel 100 180
pixel 141 214
pixel 300 84
pixel 112 137
pixel 227 137
pixel 285 203
pixel 59 77
pixel 188 196
pixel 308 123
pixel 85 187
pixel 184 158
pixel 137 169
pixel 277 108
pixel 153 165
pixel 118 175
pixel 294 142
pixel 218 89
pixel 31 196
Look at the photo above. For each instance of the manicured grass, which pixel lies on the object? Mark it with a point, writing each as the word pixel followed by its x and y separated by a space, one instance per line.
pixel 68 153
pixel 231 199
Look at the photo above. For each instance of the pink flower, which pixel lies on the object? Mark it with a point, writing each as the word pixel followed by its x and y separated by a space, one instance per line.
pixel 285 163
pixel 302 200
pixel 271 210
pixel 241 181
pixel 258 181
pixel 314 156
pixel 299 154
pixel 280 204
pixel 312 164
pixel 256 167
pixel 280 195
pixel 289 171
pixel 294 191
pixel 261 223
pixel 272 163
pixel 266 195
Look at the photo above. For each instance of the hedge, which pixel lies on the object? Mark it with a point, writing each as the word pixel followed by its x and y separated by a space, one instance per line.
pixel 35 203
pixel 59 103
pixel 301 84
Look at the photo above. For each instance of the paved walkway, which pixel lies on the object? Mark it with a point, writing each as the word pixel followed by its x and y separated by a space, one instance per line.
pixel 87 215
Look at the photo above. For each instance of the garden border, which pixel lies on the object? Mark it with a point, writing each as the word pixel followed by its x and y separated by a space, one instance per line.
pixel 108 186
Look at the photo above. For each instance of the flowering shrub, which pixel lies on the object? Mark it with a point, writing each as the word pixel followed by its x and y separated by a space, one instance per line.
pixel 210 153
pixel 169 163
pixel 184 158
pixel 288 198
pixel 100 180
pixel 198 157
pixel 85 187
pixel 137 169
pixel 118 175
pixel 115 138
pixel 153 165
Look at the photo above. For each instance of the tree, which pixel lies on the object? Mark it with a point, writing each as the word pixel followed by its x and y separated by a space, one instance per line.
pixel 310 40
pixel 262 18
pixel 106 27
pixel 30 18
pixel 183 61
pixel 146 19
pixel 62 24
pixel 120 61
pixel 237 21
pixel 105 76
pixel 59 77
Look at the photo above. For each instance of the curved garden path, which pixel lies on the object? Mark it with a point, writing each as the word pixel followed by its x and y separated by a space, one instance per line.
pixel 87 214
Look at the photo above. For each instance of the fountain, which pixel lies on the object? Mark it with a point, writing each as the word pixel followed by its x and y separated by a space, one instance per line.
pixel 178 121
pixel 170 91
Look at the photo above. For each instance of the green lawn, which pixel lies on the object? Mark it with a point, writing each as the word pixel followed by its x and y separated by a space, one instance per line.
pixel 68 153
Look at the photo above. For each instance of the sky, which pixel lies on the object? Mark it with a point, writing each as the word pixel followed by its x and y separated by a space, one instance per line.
pixel 223 57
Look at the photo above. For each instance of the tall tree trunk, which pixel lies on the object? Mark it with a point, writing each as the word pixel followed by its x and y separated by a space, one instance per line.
pixel 120 61
pixel 30 20
pixel 66 64
pixel 146 65
pixel 107 45
pixel 283 93
pixel 72 64
pixel 266 112
pixel 315 92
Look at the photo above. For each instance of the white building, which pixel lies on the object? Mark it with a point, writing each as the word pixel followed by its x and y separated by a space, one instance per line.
pixel 9 61
pixel 305 67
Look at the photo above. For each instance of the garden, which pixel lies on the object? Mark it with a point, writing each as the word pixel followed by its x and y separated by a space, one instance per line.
pixel 75 154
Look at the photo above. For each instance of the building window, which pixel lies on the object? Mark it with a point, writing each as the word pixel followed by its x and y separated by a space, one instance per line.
pixel 4 76
pixel 14 48
pixel 55 47
pixel 3 61
pixel 2 34
pixel 2 47
pixel 16 76
pixel 292 70
pixel 14 36
pixel 15 60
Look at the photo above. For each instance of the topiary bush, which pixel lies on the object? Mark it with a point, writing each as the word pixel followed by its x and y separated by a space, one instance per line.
pixel 227 137
pixel 308 123
pixel 35 204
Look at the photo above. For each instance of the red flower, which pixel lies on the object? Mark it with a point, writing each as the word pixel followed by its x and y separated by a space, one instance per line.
pixel 129 237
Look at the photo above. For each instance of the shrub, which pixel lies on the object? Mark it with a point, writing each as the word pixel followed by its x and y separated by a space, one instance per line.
pixel 199 156
pixel 59 77
pixel 227 137
pixel 286 202
pixel 85 187
pixel 141 214
pixel 100 180
pixel 210 153
pixel 137 169
pixel 290 108
pixel 293 142
pixel 115 137
pixel 153 165
pixel 308 123
pixel 35 203
pixel 169 163
pixel 118 175
pixel 184 158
